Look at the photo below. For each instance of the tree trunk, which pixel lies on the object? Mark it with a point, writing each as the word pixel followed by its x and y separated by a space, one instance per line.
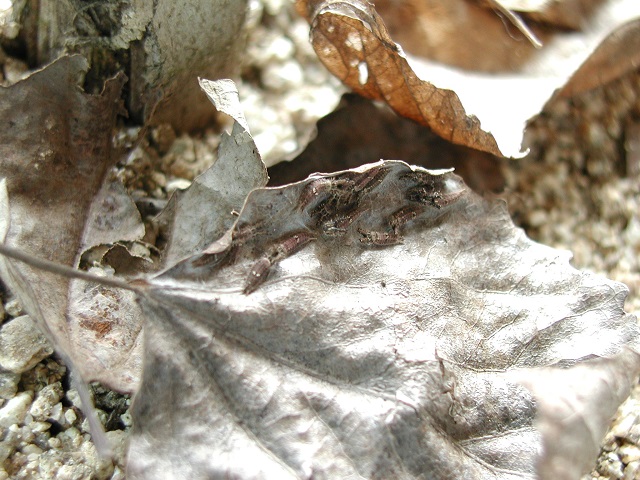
pixel 162 46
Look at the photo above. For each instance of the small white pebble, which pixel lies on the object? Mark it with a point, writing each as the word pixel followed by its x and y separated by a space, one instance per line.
pixel 537 218
pixel 127 421
pixel 118 441
pixel 30 450
pixel 57 414
pixel 69 472
pixel 55 443
pixel 15 410
pixel 39 427
pixel 5 451
pixel 632 471
pixel 159 178
pixel 13 308
pixel 629 453
pixel 611 466
pixel 177 184
pixel 84 426
pixel 22 345
pixel 46 401
pixel 74 397
pixel 634 434
pixel 282 77
pixel 625 423
pixel 71 437
pixel 70 416
pixel 26 436
pixel 280 48
pixel 8 384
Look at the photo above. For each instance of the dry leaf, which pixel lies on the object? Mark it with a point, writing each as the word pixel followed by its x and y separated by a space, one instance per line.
pixel 202 213
pixel 615 56
pixel 382 322
pixel 56 153
pixel 98 328
pixel 352 42
pixel 112 219
pixel 375 323
pixel 493 35
pixel 567 14
pixel 466 34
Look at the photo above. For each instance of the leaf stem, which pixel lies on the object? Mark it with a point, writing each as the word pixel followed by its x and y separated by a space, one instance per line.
pixel 63 270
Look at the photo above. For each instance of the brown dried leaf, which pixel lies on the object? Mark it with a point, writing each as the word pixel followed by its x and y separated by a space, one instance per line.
pixel 352 42
pixel 485 35
pixel 618 54
pixel 377 323
pixel 461 33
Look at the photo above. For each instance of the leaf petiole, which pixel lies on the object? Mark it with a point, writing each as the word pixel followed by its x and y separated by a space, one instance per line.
pixel 63 270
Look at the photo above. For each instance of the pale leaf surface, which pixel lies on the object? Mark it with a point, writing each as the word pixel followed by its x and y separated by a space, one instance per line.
pixel 200 215
pixel 375 323
pixel 55 159
pixel 565 14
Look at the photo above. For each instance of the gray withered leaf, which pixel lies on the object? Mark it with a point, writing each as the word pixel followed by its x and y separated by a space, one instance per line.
pixel 56 154
pixel 195 217
pixel 383 322
pixel 62 201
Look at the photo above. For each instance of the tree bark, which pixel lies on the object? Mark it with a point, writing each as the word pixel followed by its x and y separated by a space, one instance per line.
pixel 161 45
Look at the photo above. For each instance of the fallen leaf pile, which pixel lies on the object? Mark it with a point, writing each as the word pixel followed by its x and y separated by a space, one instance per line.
pixel 383 321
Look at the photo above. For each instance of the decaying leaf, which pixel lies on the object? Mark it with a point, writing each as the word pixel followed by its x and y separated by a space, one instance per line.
pixel 381 322
pixel 376 323
pixel 352 41
pixel 113 216
pixel 55 160
pixel 201 214
pixel 482 35
pixel 568 14
pixel 618 54
pixel 468 34
pixel 98 327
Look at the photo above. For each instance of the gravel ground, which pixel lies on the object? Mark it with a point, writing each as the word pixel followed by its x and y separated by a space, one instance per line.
pixel 577 190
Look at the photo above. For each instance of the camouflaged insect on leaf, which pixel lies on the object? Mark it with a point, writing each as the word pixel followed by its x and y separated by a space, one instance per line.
pixel 394 344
